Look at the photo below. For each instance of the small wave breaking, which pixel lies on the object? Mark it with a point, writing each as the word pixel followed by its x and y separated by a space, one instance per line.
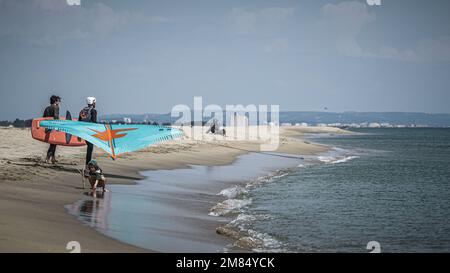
pixel 336 160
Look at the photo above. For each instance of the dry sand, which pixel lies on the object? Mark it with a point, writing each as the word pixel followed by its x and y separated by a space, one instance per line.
pixel 33 194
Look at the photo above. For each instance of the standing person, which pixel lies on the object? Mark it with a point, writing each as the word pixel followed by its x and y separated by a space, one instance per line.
pixel 52 111
pixel 88 114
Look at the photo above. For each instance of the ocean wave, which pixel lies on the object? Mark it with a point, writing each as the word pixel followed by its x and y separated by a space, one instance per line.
pixel 336 160
pixel 243 219
pixel 233 192
pixel 228 206
pixel 248 238
pixel 240 228
pixel 268 243
pixel 345 159
pixel 267 178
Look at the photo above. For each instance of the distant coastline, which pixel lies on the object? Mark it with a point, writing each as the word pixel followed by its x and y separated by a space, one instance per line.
pixel 311 118
pixel 296 118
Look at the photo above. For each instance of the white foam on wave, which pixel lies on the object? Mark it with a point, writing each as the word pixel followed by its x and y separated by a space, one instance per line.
pixel 228 206
pixel 266 179
pixel 262 242
pixel 326 159
pixel 335 160
pixel 269 244
pixel 237 194
pixel 242 220
pixel 237 200
pixel 345 159
pixel 233 192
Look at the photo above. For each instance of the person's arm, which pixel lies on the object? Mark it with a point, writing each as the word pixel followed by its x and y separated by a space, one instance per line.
pixel 98 176
pixel 94 116
pixel 45 113
pixel 95 185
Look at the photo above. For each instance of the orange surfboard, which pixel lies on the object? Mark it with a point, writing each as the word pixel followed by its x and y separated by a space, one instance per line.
pixel 53 137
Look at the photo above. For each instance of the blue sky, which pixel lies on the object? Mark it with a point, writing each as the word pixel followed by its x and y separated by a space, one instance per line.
pixel 147 56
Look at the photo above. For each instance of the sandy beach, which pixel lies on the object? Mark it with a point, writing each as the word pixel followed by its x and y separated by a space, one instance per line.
pixel 33 194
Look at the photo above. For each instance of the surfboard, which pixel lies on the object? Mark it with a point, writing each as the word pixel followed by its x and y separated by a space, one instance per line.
pixel 53 136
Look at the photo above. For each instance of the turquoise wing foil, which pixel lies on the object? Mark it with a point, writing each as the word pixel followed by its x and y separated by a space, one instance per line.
pixel 115 139
pixel 141 136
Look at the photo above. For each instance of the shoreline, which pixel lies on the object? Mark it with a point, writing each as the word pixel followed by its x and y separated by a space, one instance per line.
pixel 181 210
pixel 34 194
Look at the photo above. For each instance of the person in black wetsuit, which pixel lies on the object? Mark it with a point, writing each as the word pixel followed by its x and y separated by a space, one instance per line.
pixel 88 114
pixel 52 111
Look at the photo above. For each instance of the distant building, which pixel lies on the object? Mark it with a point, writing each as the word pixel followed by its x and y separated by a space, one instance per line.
pixel 374 125
pixel 127 120
pixel 337 124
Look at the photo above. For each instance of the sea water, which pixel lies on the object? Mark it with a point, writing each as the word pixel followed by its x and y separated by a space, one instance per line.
pixel 391 186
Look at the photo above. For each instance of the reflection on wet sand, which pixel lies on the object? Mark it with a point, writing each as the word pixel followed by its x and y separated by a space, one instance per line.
pixel 93 210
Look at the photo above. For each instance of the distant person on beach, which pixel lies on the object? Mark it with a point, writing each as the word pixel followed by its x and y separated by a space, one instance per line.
pixel 88 114
pixel 96 177
pixel 52 111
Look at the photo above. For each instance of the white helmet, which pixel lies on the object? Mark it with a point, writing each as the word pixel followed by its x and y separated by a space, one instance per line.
pixel 90 100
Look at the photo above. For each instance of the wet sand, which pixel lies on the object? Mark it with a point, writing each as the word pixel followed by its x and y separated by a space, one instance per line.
pixel 33 194
pixel 178 210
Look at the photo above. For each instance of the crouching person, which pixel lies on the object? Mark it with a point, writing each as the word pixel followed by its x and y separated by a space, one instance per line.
pixel 96 177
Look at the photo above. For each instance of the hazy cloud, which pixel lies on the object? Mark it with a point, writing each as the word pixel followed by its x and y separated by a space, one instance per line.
pixel 245 21
pixel 347 19
pixel 48 22
pixel 437 49
pixel 51 5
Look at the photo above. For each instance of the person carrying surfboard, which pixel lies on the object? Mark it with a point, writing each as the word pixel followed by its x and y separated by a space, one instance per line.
pixel 88 114
pixel 52 111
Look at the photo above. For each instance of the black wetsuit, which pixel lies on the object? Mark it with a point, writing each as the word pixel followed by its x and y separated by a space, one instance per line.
pixel 52 111
pixel 90 146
